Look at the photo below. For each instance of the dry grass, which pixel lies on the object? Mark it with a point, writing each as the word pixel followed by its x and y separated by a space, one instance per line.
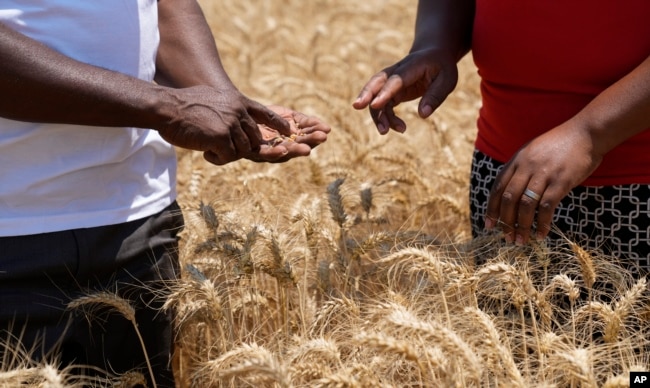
pixel 354 267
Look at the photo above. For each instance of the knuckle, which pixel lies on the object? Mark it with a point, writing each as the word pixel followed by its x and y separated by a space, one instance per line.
pixel 545 206
pixel 527 202
pixel 497 187
pixel 507 198
pixel 382 76
pixel 396 79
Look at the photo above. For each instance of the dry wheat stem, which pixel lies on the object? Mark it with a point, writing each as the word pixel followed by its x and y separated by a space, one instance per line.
pixel 121 305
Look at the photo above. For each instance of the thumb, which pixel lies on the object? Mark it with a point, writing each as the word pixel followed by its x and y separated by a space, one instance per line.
pixel 263 115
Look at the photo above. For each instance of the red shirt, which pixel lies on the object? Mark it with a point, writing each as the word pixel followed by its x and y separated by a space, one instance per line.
pixel 542 61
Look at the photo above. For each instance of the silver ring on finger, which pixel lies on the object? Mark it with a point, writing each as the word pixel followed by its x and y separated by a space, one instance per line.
pixel 532 195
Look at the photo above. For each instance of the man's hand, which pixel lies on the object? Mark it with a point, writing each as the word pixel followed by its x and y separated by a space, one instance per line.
pixel 426 73
pixel 223 123
pixel 227 126
pixel 305 133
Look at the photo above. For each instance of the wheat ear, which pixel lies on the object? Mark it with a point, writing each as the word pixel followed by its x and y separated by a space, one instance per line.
pixel 121 305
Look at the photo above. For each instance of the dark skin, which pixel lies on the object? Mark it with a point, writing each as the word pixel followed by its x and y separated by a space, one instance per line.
pixel 193 105
pixel 559 160
pixel 551 164
pixel 186 34
pixel 430 71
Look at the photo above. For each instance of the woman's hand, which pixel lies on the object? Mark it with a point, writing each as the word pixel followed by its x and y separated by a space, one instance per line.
pixel 427 73
pixel 557 161
pixel 537 178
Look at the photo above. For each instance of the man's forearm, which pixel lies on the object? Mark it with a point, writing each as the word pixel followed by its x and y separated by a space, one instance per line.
pixel 446 24
pixel 188 54
pixel 38 84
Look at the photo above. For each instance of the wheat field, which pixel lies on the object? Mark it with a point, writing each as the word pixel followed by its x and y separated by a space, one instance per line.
pixel 355 267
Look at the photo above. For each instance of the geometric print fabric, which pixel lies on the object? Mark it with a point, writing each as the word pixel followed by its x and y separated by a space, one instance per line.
pixel 612 219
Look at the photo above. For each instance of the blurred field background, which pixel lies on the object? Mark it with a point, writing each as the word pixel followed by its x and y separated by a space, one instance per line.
pixel 355 267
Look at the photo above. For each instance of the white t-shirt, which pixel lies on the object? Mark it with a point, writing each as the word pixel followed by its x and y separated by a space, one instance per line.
pixel 57 177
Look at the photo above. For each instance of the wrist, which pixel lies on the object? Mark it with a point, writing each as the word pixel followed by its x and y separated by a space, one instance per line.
pixel 159 108
pixel 596 138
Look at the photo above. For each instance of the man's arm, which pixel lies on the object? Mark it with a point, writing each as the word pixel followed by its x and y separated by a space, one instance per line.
pixel 187 55
pixel 38 84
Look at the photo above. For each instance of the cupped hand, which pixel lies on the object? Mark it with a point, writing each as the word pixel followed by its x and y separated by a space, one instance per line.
pixel 549 167
pixel 428 73
pixel 304 134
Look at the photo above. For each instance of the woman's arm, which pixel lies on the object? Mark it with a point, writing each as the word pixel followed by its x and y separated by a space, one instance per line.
pixel 443 30
pixel 445 24
pixel 562 158
pixel 620 111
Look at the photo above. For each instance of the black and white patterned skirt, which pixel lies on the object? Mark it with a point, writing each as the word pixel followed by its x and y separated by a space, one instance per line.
pixel 612 219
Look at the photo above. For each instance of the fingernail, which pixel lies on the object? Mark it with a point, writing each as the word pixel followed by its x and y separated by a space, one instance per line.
pixel 540 237
pixel 489 224
pixel 381 128
pixel 508 238
pixel 519 241
pixel 427 110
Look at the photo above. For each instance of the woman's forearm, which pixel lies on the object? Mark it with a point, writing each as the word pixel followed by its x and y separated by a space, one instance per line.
pixel 444 24
pixel 620 111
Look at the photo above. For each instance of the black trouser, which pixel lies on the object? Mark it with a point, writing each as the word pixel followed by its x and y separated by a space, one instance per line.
pixel 40 274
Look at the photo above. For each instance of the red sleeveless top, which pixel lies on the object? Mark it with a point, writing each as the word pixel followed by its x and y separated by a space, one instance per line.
pixel 542 61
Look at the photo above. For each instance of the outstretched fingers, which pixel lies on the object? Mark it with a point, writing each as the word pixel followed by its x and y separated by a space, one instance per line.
pixel 379 95
pixel 370 90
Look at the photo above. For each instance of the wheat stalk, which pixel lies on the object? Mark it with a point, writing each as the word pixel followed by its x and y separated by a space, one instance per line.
pixel 248 360
pixel 335 201
pixel 493 341
pixel 105 299
pixel 388 344
pixel 586 265
pixel 449 341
